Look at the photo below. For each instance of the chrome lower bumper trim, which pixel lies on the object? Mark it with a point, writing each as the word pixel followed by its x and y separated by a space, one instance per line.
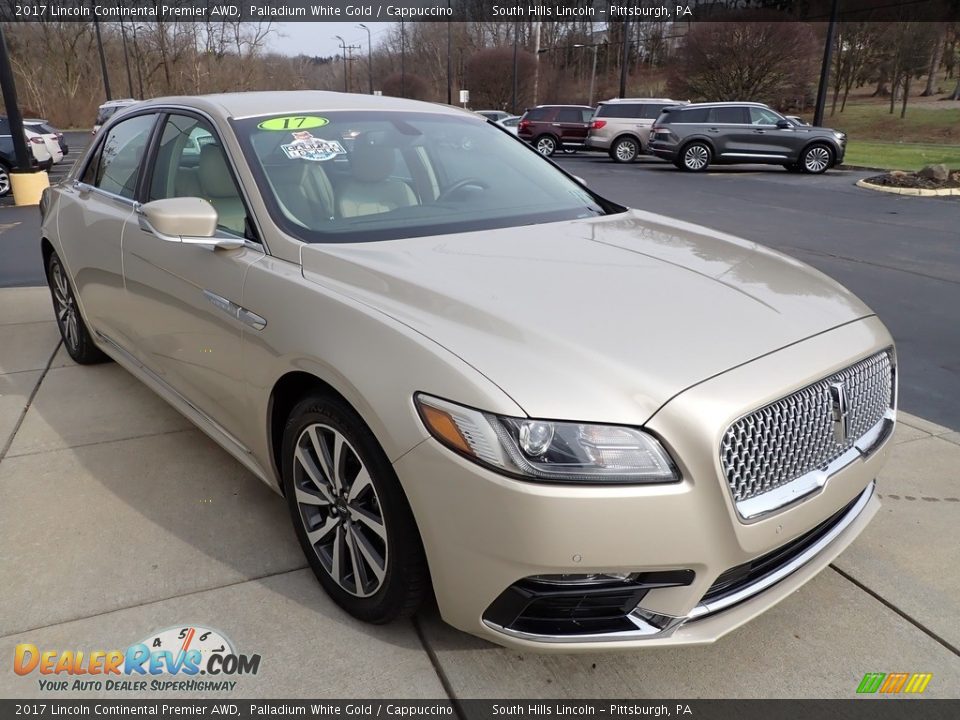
pixel 651 625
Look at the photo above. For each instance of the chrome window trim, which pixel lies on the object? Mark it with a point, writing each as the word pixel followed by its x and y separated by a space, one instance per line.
pixel 651 625
pixel 754 155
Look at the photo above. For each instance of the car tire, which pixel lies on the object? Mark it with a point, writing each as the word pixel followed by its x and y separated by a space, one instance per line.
pixel 362 543
pixel 696 157
pixel 4 180
pixel 816 159
pixel 546 145
pixel 624 150
pixel 73 330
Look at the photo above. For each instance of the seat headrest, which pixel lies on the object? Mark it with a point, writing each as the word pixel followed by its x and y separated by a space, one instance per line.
pixel 213 173
pixel 370 162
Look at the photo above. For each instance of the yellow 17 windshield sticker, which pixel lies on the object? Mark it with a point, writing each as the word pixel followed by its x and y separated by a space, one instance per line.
pixel 293 122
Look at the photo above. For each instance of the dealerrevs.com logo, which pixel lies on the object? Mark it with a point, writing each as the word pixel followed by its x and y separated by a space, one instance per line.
pixel 188 658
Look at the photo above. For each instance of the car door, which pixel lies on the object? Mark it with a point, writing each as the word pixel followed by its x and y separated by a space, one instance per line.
pixel 573 125
pixel 770 142
pixel 729 126
pixel 95 210
pixel 186 296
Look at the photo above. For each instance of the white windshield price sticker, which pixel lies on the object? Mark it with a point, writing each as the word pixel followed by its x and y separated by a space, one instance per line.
pixel 307 147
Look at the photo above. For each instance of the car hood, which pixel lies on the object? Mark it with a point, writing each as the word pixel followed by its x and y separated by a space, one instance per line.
pixel 594 320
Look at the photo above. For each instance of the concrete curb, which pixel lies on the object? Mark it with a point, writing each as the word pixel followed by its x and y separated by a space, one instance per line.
pixel 942 192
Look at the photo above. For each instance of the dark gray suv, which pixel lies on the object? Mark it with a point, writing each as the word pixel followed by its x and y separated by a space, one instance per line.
pixel 694 136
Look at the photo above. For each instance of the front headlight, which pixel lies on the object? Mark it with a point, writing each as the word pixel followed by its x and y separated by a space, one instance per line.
pixel 547 450
pixel 839 135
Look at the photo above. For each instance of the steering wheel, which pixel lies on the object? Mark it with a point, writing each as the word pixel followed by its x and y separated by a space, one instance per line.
pixel 459 185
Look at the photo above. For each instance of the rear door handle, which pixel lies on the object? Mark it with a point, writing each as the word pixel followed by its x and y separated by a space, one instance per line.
pixel 714 129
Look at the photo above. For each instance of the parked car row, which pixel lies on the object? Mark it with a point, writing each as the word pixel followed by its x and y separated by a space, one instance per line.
pixel 692 136
pixel 45 143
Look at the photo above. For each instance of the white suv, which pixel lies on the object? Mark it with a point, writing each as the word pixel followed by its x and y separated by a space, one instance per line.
pixel 622 126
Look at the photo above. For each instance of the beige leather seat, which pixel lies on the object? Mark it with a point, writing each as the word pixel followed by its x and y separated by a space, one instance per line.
pixel 371 190
pixel 217 186
pixel 304 190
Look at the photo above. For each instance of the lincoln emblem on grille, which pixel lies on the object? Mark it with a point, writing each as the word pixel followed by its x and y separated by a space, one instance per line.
pixel 840 411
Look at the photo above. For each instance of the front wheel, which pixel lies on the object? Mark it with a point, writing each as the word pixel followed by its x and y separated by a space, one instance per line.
pixel 350 514
pixel 546 145
pixel 696 157
pixel 816 159
pixel 625 150
pixel 73 330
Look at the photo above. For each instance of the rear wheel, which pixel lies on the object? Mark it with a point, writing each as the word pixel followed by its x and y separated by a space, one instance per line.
pixel 4 179
pixel 816 159
pixel 624 150
pixel 73 330
pixel 696 157
pixel 350 514
pixel 545 145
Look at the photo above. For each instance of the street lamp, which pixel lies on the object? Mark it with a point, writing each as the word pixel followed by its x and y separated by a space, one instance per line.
pixel 369 57
pixel 103 60
pixel 403 67
pixel 136 53
pixel 343 54
pixel 593 74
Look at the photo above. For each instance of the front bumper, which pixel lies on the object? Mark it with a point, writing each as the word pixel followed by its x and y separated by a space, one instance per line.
pixel 484 532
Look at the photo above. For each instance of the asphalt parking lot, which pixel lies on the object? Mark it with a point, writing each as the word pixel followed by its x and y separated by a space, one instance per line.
pixel 119 519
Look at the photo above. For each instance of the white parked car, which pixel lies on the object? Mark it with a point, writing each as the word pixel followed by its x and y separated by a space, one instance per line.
pixel 510 123
pixel 106 111
pixel 38 146
pixel 50 141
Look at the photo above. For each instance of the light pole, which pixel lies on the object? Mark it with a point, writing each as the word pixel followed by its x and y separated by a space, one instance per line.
pixel 593 74
pixel 624 58
pixel 513 102
pixel 403 66
pixel 126 59
pixel 825 67
pixel 449 88
pixel 343 54
pixel 103 60
pixel 369 57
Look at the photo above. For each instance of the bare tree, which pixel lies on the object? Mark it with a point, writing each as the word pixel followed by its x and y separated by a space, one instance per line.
pixel 490 77
pixel 765 61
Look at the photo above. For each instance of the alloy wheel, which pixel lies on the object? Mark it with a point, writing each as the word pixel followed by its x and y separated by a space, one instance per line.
pixel 65 306
pixel 340 510
pixel 546 146
pixel 696 157
pixel 817 159
pixel 626 150
pixel 4 181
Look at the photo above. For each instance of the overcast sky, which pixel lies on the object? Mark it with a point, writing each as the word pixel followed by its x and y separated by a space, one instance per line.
pixel 317 38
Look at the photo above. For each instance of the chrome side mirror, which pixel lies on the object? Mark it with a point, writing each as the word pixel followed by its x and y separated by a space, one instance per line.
pixel 188 220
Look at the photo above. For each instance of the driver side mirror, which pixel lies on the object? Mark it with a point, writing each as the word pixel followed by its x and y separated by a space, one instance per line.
pixel 189 220
pixel 784 124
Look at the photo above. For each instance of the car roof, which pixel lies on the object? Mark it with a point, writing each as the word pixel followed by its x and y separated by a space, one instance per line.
pixel 726 102
pixel 261 103
pixel 563 105
pixel 614 101
pixel 124 101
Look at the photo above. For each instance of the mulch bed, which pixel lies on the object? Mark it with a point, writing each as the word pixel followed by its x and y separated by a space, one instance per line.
pixel 900 179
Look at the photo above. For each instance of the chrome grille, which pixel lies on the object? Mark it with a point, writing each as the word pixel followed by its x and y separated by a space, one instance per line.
pixel 793 436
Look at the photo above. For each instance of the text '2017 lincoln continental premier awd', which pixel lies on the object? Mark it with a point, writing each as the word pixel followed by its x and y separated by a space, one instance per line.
pixel 580 426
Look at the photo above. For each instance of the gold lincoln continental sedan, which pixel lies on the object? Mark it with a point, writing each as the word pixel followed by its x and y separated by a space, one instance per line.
pixel 579 426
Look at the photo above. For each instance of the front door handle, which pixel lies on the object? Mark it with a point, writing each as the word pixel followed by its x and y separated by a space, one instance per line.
pixel 714 129
pixel 759 132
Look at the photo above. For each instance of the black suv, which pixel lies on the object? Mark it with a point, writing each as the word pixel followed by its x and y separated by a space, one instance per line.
pixel 694 136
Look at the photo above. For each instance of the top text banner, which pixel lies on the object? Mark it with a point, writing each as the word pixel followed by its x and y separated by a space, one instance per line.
pixel 212 11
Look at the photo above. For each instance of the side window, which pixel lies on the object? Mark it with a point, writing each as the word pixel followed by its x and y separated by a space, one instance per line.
pixel 650 112
pixel 692 115
pixel 191 163
pixel 536 114
pixel 763 116
pixel 729 115
pixel 117 162
pixel 586 115
pixel 569 115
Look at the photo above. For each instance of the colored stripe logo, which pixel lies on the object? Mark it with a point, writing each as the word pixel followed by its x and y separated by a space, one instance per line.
pixel 893 683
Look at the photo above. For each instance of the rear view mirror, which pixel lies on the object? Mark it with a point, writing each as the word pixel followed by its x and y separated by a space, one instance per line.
pixel 190 220
pixel 784 124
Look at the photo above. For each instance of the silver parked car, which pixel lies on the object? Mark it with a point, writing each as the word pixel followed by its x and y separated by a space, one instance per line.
pixel 621 127
pixel 583 426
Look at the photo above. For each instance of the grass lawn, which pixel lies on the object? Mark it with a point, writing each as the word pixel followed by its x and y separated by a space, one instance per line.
pixel 900 156
pixel 928 122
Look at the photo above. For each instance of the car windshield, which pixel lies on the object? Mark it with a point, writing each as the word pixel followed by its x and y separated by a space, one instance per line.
pixel 353 176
